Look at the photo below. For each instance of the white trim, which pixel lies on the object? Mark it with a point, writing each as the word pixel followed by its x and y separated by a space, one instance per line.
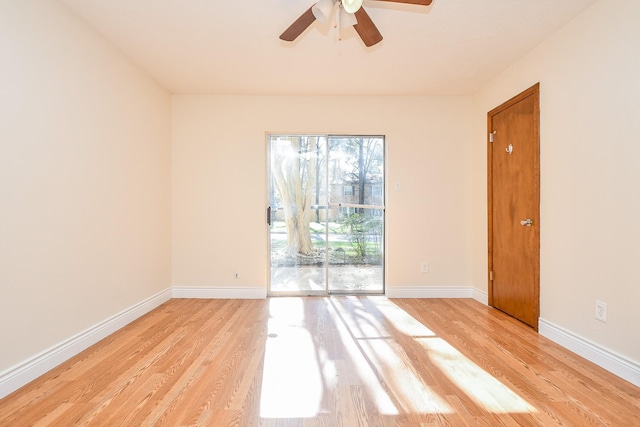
pixel 25 372
pixel 356 205
pixel 429 292
pixel 605 358
pixel 218 293
pixel 480 296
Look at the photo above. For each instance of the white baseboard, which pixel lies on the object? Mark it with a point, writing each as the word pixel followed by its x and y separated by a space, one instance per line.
pixel 219 293
pixel 480 296
pixel 25 372
pixel 612 362
pixel 429 292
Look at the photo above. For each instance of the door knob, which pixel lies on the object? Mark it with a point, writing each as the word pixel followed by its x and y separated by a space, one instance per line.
pixel 527 222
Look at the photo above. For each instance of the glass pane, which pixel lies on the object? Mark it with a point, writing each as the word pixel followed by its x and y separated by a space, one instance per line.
pixel 356 171
pixel 356 252
pixel 356 217
pixel 298 214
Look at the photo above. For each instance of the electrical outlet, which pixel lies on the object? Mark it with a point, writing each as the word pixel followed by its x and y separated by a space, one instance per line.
pixel 425 267
pixel 601 311
pixel 237 275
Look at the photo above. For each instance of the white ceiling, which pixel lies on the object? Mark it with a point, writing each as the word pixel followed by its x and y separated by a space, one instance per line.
pixel 452 47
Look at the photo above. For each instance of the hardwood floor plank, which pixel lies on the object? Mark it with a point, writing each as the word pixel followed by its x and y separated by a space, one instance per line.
pixel 339 361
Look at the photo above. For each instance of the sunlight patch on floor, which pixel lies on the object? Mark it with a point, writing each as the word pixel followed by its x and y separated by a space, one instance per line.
pixel 386 359
pixel 301 379
pixel 478 384
pixel 360 322
pixel 365 373
pixel 409 391
pixel 292 384
pixel 400 319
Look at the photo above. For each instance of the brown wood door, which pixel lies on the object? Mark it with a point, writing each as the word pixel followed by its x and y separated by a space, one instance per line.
pixel 514 207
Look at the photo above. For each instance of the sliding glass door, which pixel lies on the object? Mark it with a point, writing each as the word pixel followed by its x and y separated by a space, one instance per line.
pixel 326 214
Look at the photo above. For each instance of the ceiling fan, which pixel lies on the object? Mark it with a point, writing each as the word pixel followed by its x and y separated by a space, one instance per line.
pixel 350 12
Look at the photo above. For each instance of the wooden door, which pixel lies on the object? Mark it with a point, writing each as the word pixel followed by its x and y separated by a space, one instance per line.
pixel 514 207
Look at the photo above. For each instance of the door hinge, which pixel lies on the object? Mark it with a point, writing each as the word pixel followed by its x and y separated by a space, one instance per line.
pixel 491 135
pixel 491 275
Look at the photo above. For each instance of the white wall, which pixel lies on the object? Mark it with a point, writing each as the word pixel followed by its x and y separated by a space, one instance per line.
pixel 84 180
pixel 220 186
pixel 589 74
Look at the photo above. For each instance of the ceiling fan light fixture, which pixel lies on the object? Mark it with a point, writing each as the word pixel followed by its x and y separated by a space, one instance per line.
pixel 347 19
pixel 323 10
pixel 351 6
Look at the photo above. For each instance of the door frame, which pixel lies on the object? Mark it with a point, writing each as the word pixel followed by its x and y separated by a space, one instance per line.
pixel 535 92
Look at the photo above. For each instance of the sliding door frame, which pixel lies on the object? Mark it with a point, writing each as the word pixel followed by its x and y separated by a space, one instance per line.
pixel 329 204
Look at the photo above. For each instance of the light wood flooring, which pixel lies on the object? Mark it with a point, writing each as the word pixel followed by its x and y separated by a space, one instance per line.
pixel 339 361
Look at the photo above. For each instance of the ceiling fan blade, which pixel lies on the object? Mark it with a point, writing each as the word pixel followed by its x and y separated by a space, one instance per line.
pixel 298 26
pixel 366 29
pixel 418 2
